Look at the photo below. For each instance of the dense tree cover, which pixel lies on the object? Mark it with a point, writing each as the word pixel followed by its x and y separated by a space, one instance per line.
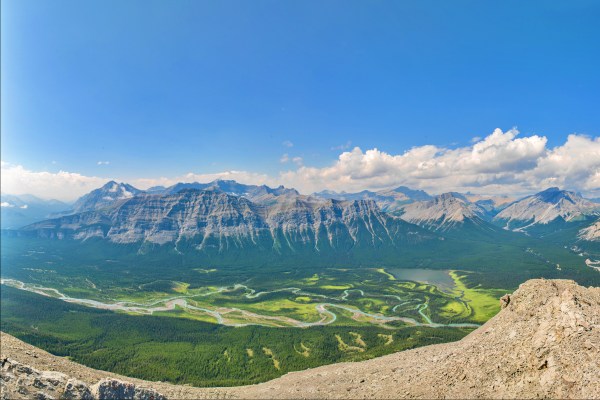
pixel 199 353
pixel 501 261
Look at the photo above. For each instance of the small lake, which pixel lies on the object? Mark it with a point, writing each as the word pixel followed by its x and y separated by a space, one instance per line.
pixel 438 277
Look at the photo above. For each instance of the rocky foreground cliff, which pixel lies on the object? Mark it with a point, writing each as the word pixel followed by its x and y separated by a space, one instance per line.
pixel 545 343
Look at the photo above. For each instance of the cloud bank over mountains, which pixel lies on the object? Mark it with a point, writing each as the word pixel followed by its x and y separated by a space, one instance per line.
pixel 501 163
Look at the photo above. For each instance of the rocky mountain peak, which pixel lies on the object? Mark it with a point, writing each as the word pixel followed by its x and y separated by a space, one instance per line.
pixel 547 206
pixel 212 220
pixel 105 196
pixel 443 212
pixel 416 195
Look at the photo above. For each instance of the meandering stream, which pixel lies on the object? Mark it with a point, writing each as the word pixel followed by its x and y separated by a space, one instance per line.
pixel 220 313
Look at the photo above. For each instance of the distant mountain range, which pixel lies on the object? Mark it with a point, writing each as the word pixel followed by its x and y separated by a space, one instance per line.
pixel 550 206
pixel 225 214
pixel 446 212
pixel 388 200
pixel 18 211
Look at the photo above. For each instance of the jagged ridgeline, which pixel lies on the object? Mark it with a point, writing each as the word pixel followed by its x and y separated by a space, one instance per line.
pixel 225 223
pixel 214 223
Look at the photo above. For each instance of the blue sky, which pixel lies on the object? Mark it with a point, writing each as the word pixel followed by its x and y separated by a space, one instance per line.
pixel 165 88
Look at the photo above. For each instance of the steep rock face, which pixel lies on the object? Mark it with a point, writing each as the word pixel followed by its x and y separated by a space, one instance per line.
pixel 218 221
pixel 20 381
pixel 444 212
pixel 545 207
pixel 591 233
pixel 105 196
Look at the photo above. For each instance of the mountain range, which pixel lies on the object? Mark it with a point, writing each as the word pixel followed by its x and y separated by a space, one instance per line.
pixel 215 222
pixel 18 211
pixel 549 206
pixel 224 215
pixel 388 200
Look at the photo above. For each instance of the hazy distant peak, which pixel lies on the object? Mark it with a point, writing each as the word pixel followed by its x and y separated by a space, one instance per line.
pixel 547 206
pixel 443 212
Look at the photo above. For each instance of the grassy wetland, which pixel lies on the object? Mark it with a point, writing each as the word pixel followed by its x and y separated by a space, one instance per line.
pixel 209 325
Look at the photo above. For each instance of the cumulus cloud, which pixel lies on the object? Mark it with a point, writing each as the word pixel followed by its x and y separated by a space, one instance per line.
pixel 103 162
pixel 501 162
pixel 61 185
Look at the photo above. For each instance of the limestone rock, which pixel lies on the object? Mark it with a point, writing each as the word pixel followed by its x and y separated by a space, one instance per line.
pixel 114 389
pixel 20 381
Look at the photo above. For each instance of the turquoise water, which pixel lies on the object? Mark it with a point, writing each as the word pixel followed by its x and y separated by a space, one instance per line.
pixel 437 277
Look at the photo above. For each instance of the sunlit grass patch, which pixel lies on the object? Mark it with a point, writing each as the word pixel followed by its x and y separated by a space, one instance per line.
pixel 358 339
pixel 205 271
pixel 389 339
pixel 483 302
pixel 336 287
pixel 304 350
pixel 345 347
pixel 269 353
pixel 302 299
pixel 384 272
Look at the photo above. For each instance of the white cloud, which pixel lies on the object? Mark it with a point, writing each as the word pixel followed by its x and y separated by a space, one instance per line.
pixel 502 162
pixel 249 178
pixel 287 143
pixel 103 162
pixel 61 185
pixel 6 204
pixel 285 158
pixel 24 206
pixel 574 165
pixel 344 146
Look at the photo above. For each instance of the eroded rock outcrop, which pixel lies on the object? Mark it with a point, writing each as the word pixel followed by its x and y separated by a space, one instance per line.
pixel 20 381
